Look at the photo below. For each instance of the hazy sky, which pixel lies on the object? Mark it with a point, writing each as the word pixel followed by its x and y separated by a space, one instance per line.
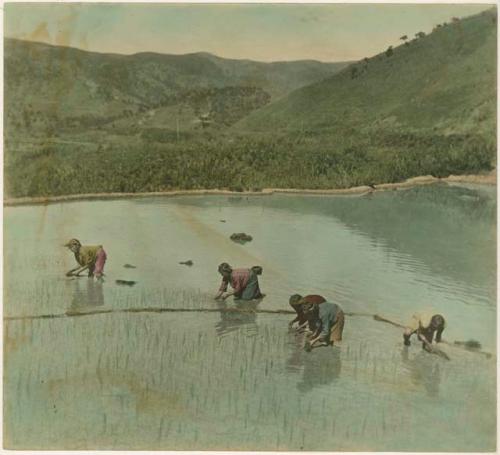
pixel 328 32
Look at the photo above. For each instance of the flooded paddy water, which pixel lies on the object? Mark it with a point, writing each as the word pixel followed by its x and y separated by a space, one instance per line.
pixel 195 380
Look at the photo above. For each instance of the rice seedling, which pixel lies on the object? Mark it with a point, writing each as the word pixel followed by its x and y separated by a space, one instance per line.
pixel 181 380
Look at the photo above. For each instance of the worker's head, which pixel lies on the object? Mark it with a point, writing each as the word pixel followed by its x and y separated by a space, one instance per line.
pixel 309 309
pixel 437 322
pixel 257 269
pixel 74 245
pixel 294 301
pixel 225 269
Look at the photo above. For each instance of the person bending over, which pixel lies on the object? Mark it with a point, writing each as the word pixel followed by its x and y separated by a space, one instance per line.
pixel 425 326
pixel 329 322
pixel 244 282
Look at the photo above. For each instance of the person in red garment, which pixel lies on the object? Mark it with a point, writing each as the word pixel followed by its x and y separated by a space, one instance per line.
pixel 244 282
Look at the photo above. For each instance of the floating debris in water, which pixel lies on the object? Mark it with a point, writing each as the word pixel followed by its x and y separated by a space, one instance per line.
pixel 222 221
pixel 469 344
pixel 125 282
pixel 241 237
pixel 188 263
pixel 129 266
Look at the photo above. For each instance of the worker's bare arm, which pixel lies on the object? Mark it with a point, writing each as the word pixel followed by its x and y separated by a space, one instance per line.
pixel 218 295
pixel 318 339
pixel 407 335
pixel 316 333
pixel 225 295
pixel 427 345
pixel 302 326
pixel 72 271
pixel 81 269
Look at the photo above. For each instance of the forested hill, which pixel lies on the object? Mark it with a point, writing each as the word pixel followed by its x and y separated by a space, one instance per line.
pixel 80 122
pixel 52 87
pixel 441 82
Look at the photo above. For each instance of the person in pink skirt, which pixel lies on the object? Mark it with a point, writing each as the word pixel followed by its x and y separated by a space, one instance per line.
pixel 91 258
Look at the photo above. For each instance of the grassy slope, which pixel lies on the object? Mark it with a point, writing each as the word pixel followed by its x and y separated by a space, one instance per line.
pixel 427 109
pixel 443 82
pixel 60 82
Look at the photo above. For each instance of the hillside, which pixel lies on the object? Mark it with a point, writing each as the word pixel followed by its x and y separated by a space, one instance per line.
pixel 53 88
pixel 444 82
pixel 79 122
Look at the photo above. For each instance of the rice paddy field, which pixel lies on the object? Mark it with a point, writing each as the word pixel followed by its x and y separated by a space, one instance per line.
pixel 91 365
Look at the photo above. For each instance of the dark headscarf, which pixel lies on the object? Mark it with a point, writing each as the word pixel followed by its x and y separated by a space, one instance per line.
pixel 225 268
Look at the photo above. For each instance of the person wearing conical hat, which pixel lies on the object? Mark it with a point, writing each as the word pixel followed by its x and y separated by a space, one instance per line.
pixel 88 257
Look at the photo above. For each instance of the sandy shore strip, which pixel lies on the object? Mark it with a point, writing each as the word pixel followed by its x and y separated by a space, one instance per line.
pixel 484 179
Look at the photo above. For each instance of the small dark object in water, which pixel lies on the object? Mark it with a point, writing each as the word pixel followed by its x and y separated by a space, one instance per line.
pixel 188 263
pixel 129 266
pixel 469 344
pixel 241 237
pixel 125 282
pixel 372 186
pixel 222 221
pixel 308 347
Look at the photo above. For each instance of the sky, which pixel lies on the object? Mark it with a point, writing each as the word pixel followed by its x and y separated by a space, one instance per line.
pixel 264 32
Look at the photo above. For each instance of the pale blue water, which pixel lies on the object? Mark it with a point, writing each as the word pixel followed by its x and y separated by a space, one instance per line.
pixel 236 381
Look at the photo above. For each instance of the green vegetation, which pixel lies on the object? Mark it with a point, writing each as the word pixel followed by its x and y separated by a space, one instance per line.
pixel 58 90
pixel 150 123
pixel 242 163
pixel 441 83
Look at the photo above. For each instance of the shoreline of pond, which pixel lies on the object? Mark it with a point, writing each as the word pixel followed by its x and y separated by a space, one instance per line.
pixel 481 179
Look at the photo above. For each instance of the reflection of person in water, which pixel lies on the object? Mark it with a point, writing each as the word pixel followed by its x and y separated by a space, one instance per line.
pixel 90 296
pixel 320 369
pixel 424 370
pixel 232 319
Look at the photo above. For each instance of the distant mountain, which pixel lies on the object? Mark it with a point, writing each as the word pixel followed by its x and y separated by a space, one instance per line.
pixel 83 122
pixel 52 88
pixel 444 82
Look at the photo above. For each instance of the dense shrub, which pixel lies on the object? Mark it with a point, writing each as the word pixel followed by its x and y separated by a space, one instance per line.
pixel 243 162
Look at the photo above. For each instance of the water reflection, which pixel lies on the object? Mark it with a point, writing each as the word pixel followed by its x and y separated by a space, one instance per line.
pixel 424 370
pixel 87 293
pixel 445 219
pixel 235 320
pixel 319 367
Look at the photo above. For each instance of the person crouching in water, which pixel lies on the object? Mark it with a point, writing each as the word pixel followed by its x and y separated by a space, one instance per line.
pixel 329 322
pixel 425 326
pixel 244 282
pixel 91 258
pixel 296 301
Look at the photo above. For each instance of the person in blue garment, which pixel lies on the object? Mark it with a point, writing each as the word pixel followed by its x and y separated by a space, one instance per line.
pixel 329 322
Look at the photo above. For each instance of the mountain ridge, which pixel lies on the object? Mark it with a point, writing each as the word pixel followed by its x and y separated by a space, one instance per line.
pixel 413 85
